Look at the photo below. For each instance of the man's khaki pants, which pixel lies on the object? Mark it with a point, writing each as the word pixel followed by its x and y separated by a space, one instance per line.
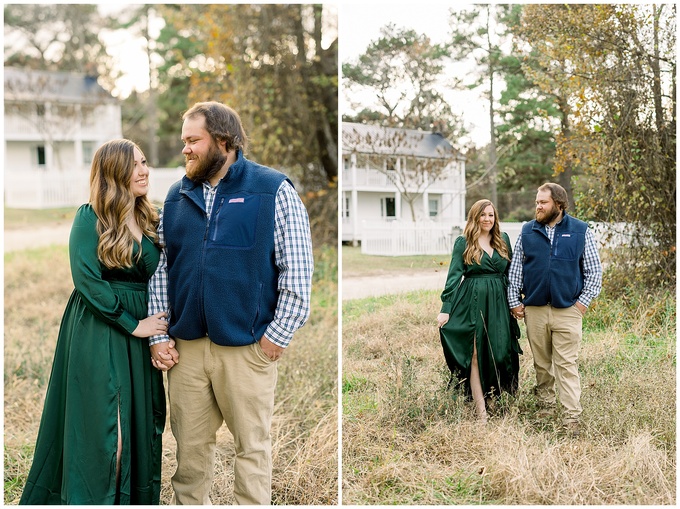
pixel 211 384
pixel 555 338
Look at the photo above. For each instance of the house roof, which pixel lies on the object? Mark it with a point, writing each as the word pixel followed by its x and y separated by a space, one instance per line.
pixel 31 85
pixel 372 139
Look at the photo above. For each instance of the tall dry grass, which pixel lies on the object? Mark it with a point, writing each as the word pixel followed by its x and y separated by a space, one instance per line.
pixel 408 439
pixel 305 428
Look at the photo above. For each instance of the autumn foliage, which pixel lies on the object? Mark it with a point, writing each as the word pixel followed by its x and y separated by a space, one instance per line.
pixel 615 67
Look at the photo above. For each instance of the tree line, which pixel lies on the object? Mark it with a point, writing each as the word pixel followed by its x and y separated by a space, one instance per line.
pixel 579 94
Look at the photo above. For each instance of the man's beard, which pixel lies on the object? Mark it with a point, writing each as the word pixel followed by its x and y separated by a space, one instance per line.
pixel 548 216
pixel 203 170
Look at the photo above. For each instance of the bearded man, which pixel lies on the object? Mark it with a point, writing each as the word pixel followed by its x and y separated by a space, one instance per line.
pixel 235 279
pixel 554 275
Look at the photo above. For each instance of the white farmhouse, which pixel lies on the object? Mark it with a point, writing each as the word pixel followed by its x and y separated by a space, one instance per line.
pixel 397 177
pixel 54 121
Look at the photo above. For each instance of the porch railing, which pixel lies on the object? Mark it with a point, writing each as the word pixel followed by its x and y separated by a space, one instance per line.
pixel 36 189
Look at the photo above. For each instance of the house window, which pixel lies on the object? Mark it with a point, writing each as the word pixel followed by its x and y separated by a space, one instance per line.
pixel 434 207
pixel 88 152
pixel 87 116
pixel 39 156
pixel 388 208
pixel 40 109
pixel 346 211
pixel 346 163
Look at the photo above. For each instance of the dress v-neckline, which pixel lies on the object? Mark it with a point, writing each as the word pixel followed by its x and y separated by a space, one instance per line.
pixel 140 243
pixel 487 253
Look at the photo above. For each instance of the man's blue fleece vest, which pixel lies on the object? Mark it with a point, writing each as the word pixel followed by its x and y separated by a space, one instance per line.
pixel 222 277
pixel 553 274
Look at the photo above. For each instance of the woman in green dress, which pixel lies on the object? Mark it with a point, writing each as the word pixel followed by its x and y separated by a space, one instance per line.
pixel 99 440
pixel 478 334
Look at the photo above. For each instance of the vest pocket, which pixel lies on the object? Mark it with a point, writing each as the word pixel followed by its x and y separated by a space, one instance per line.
pixel 235 222
pixel 567 245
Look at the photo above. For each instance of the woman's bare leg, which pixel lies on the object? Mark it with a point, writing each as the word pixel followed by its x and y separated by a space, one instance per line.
pixel 476 386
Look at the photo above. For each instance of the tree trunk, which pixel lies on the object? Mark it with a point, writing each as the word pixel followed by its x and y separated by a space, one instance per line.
pixel 493 157
pixel 152 111
pixel 328 148
pixel 656 71
pixel 564 178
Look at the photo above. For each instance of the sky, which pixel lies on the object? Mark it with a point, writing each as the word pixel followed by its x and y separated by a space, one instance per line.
pixel 129 53
pixel 360 23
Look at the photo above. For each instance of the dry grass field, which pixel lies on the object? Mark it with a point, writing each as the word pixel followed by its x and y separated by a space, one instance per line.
pixel 305 430
pixel 409 440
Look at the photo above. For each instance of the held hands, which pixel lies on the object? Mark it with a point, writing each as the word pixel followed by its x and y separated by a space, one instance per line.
pixel 151 326
pixel 164 355
pixel 271 350
pixel 518 312
pixel 442 318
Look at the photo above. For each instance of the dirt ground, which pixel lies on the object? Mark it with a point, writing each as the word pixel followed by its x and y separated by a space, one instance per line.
pixel 354 287
pixel 16 240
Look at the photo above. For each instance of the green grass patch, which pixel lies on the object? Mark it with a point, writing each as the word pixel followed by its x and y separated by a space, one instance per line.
pixel 22 218
pixel 354 384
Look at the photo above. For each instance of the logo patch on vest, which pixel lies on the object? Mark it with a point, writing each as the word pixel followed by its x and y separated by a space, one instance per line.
pixel 237 200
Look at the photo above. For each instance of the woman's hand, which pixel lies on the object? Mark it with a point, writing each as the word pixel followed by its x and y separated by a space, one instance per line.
pixel 442 318
pixel 151 326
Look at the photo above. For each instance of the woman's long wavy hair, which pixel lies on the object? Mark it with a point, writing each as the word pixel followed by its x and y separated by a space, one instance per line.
pixel 113 202
pixel 473 251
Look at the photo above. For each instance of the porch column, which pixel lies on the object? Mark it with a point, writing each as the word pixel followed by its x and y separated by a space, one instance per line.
pixel 426 197
pixel 397 205
pixel 49 148
pixel 78 138
pixel 78 146
pixel 354 201
pixel 397 195
pixel 49 156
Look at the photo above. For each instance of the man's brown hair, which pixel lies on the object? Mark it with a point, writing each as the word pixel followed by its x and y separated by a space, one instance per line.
pixel 557 193
pixel 222 123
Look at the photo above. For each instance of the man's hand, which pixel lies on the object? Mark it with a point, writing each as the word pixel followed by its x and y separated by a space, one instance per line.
pixel 518 312
pixel 164 355
pixel 581 308
pixel 271 350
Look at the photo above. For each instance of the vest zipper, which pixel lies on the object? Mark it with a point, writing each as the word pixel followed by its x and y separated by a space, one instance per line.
pixel 201 275
pixel 216 215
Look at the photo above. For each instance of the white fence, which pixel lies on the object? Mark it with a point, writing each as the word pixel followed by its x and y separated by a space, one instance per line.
pixel 34 189
pixel 407 238
pixel 398 238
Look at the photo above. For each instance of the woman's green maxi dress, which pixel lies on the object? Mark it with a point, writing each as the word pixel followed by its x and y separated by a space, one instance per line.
pixel 99 371
pixel 478 309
